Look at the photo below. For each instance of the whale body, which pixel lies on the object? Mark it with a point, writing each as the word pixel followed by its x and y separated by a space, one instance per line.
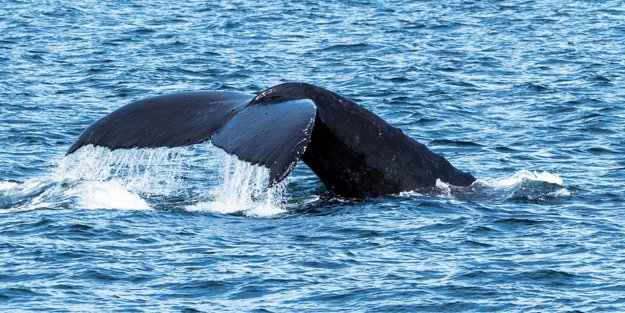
pixel 355 153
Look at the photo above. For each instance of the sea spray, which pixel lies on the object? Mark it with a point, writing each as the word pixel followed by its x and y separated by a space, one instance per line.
pixel 243 189
pixel 147 171
pixel 98 177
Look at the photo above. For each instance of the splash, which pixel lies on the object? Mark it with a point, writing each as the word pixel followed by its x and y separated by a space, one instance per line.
pixel 98 178
pixel 7 185
pixel 525 185
pixel 206 179
pixel 522 185
pixel 243 189
pixel 107 194
pixel 147 171
pixel 524 176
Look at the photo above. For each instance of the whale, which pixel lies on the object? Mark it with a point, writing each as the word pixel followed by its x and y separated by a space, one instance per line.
pixel 353 152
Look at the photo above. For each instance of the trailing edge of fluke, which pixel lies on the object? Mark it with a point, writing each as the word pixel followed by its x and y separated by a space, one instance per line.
pixel 354 152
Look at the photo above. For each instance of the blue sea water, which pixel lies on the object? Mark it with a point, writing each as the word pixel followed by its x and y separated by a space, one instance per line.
pixel 529 96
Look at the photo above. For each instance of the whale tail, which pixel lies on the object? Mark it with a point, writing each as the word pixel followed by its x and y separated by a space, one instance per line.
pixel 353 151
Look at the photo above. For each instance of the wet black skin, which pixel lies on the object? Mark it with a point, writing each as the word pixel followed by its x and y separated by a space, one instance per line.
pixel 354 152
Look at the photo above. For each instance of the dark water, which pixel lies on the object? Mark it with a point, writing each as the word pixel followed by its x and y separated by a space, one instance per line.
pixel 527 95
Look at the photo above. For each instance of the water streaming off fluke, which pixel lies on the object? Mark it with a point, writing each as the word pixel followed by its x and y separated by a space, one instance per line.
pixel 139 179
pixel 243 189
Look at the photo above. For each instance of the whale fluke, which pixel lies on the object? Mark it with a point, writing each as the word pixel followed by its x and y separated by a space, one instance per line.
pixel 354 152
pixel 164 121
pixel 273 135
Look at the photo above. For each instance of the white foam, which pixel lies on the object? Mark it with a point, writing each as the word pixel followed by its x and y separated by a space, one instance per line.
pixel 116 179
pixel 106 195
pixel 562 192
pixel 444 188
pixel 98 178
pixel 7 185
pixel 523 183
pixel 41 193
pixel 524 175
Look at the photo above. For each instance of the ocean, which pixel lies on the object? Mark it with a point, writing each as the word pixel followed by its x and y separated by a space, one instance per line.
pixel 528 96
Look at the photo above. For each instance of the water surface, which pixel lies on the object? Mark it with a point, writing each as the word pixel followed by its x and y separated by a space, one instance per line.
pixel 526 95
